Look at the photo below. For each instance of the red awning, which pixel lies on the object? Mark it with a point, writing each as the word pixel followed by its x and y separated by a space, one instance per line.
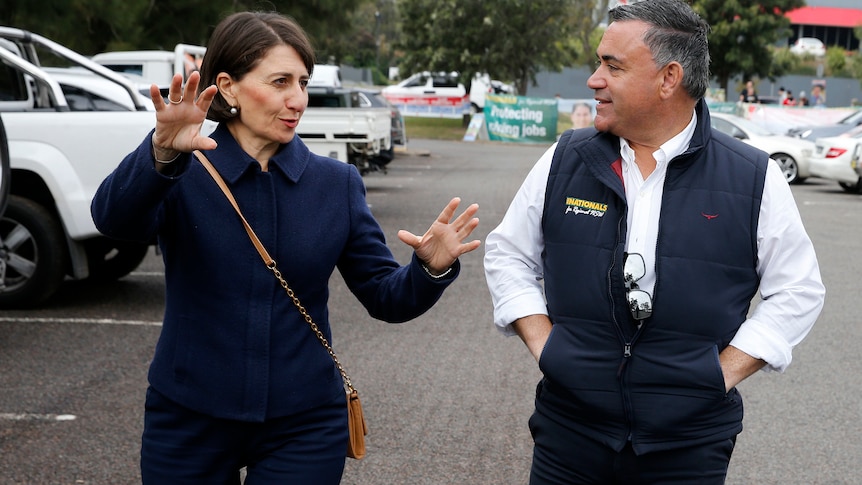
pixel 826 16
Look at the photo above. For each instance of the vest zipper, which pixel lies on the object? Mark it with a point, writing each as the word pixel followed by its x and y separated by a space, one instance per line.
pixel 627 352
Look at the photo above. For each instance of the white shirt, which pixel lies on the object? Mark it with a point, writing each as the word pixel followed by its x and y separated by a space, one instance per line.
pixel 791 291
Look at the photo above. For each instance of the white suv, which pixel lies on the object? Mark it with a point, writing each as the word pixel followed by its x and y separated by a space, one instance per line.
pixel 430 84
pixel 808 45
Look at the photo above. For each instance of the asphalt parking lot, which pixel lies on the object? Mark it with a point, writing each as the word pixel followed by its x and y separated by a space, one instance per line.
pixel 446 396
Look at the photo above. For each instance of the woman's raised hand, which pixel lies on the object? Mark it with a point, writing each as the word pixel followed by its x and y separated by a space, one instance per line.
pixel 179 121
pixel 441 244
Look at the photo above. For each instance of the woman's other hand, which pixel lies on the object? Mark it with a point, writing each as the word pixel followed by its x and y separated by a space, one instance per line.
pixel 441 244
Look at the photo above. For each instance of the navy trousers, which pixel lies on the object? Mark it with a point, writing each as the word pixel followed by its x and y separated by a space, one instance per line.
pixel 562 456
pixel 182 447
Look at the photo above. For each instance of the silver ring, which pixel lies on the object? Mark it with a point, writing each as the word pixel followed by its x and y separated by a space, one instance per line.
pixel 175 102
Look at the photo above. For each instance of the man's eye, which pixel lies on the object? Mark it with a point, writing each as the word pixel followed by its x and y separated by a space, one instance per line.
pixel 303 83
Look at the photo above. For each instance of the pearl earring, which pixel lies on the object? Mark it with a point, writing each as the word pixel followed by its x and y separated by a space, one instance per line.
pixel 233 111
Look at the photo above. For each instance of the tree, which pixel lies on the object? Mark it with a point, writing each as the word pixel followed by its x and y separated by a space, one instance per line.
pixel 856 64
pixel 93 26
pixel 742 32
pixel 509 39
pixel 585 25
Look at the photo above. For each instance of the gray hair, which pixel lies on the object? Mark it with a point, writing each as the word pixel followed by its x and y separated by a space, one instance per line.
pixel 678 34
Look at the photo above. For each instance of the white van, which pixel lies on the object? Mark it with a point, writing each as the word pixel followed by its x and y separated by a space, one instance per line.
pixel 154 67
pixel 326 75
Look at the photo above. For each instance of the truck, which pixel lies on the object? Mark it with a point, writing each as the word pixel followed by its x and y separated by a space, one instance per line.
pixel 332 126
pixel 337 124
pixel 61 145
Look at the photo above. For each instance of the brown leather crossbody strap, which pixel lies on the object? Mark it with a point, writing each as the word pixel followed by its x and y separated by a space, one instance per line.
pixel 267 259
pixel 270 263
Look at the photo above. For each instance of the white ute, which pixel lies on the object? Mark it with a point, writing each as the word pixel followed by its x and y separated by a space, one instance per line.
pixel 60 152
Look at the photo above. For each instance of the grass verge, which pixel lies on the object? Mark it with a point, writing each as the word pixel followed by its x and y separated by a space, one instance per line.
pixel 452 129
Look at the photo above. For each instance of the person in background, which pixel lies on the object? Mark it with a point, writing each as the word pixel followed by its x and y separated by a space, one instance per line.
pixel 782 95
pixel 803 100
pixel 239 379
pixel 628 260
pixel 818 96
pixel 789 100
pixel 749 94
pixel 582 116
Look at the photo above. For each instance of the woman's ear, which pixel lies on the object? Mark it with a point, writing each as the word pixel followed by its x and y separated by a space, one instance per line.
pixel 225 85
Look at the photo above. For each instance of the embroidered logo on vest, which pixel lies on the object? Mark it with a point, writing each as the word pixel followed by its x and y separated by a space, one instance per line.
pixel 588 207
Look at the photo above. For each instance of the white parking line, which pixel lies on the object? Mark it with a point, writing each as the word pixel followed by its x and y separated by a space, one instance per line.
pixel 147 273
pixel 36 417
pixel 99 321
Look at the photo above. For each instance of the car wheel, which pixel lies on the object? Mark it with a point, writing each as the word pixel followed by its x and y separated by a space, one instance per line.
pixel 32 253
pixel 852 188
pixel 109 259
pixel 789 167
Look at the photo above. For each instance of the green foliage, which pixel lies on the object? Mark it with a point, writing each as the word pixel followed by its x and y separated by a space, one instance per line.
pixel 784 61
pixel 509 39
pixel 836 61
pixel 93 26
pixel 855 66
pixel 742 32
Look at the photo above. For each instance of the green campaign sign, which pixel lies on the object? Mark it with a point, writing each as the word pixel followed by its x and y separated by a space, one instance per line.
pixel 521 119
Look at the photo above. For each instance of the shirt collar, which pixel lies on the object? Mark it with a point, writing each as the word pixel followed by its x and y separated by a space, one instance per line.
pixel 667 151
pixel 232 161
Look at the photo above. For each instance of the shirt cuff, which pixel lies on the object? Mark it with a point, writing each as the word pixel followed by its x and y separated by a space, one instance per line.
pixel 762 343
pixel 518 306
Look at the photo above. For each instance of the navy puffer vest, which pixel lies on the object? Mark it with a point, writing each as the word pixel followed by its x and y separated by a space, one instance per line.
pixel 660 386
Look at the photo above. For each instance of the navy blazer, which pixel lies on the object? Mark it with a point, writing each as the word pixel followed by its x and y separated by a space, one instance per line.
pixel 233 345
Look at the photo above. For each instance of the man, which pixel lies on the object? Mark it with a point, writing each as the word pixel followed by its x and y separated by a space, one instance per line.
pixel 628 260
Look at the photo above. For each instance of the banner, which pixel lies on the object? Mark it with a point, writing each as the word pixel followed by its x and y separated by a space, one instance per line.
pixel 520 119
pixel 778 119
pixel 430 106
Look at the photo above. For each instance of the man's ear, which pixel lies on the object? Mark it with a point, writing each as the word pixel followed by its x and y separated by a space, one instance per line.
pixel 672 79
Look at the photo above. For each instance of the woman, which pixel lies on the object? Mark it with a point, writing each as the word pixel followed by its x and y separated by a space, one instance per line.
pixel 238 378
pixel 582 116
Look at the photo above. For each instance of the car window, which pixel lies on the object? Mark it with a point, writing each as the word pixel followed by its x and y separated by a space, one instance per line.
pixel 418 81
pixel 445 82
pixel 12 86
pixel 80 100
pixel 136 69
pixel 727 128
pixel 382 101
pixel 364 101
pixel 854 119
pixel 325 101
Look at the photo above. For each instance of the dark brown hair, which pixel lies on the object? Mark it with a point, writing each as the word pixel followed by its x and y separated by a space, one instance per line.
pixel 240 41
